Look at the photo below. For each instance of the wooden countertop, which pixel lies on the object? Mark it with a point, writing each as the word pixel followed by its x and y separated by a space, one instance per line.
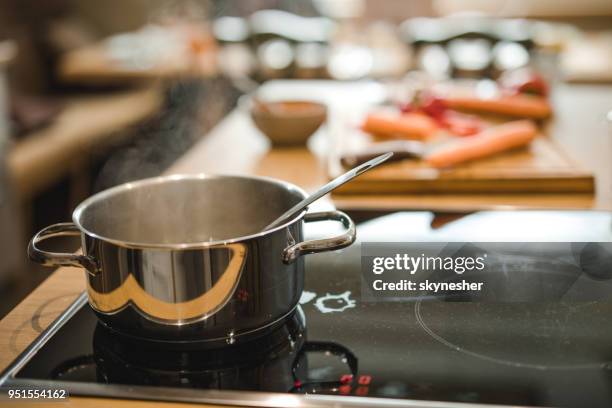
pixel 93 65
pixel 234 146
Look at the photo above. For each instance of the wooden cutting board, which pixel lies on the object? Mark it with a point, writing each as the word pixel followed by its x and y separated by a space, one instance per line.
pixel 540 168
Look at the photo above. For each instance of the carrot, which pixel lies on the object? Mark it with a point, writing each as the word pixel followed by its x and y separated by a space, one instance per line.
pixel 521 105
pixel 486 143
pixel 400 126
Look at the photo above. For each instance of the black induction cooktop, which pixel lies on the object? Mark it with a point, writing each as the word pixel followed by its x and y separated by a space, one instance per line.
pixel 337 348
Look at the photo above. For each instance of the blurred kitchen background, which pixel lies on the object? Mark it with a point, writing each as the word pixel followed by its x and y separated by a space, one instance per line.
pixel 96 93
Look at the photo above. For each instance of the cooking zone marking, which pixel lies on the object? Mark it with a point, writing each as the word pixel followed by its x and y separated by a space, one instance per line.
pixel 335 303
pixel 440 339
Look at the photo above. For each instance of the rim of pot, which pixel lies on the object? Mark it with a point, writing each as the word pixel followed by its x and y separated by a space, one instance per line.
pixel 178 177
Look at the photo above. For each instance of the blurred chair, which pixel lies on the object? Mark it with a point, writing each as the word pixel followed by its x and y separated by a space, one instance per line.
pixel 11 263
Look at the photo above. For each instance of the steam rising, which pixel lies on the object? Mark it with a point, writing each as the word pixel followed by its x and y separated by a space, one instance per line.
pixel 192 107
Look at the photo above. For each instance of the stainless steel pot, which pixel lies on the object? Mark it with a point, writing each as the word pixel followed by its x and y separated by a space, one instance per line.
pixel 181 258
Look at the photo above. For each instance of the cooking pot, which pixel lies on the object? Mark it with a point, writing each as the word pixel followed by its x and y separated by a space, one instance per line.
pixel 182 258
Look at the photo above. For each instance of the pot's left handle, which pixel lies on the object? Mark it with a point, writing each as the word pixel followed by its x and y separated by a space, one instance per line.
pixel 58 258
pixel 293 252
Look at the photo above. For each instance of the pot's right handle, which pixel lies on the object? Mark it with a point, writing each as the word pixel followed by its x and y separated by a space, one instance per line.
pixel 293 252
pixel 57 258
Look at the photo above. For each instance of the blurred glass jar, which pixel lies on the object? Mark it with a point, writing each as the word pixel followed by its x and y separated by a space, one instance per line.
pixel 311 60
pixel 275 58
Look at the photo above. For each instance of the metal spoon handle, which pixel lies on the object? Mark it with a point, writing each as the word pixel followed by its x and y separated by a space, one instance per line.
pixel 335 183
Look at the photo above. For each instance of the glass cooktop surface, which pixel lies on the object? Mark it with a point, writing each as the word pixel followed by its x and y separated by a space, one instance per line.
pixel 335 343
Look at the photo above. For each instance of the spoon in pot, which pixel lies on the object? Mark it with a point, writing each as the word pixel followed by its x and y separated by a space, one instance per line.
pixel 335 183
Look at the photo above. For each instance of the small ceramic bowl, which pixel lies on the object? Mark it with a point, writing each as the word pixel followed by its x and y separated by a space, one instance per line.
pixel 288 123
